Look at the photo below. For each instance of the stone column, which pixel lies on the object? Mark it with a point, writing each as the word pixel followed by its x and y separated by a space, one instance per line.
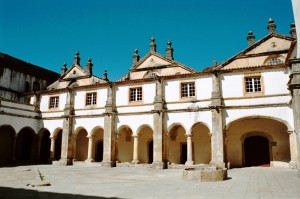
pixel 52 148
pixel 135 149
pixel 158 127
pixel 294 87
pixel 293 149
pixel 189 161
pixel 217 123
pixel 109 159
pixel 90 149
pixel 67 138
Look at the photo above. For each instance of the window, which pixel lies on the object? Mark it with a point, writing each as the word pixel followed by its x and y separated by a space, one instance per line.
pixel 54 102
pixel 188 89
pixel 36 86
pixel 136 94
pixel 91 99
pixel 152 75
pixel 27 86
pixel 274 61
pixel 253 84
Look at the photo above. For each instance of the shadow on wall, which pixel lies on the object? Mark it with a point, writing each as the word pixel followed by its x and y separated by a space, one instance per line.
pixel 10 193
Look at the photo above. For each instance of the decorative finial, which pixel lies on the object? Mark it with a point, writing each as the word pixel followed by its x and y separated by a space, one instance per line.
pixel 77 58
pixel 89 66
pixel 215 62
pixel 152 45
pixel 105 75
pixel 64 68
pixel 250 38
pixel 271 26
pixel 135 56
pixel 293 31
pixel 169 50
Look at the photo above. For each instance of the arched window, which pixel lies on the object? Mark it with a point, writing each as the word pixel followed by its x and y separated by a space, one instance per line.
pixel 36 86
pixel 152 75
pixel 27 86
pixel 274 61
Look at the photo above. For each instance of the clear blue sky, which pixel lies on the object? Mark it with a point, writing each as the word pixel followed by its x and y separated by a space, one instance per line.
pixel 49 32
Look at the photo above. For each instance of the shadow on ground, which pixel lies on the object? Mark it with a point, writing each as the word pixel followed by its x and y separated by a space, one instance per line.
pixel 10 193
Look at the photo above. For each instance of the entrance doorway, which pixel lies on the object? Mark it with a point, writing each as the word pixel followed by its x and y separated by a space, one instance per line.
pixel 183 155
pixel 58 140
pixel 257 152
pixel 150 152
pixel 99 152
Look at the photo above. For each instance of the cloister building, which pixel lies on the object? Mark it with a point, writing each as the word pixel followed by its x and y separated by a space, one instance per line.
pixel 163 114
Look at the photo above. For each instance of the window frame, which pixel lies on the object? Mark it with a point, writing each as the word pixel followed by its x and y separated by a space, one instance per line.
pixel 93 102
pixel 252 76
pixel 56 103
pixel 136 100
pixel 189 96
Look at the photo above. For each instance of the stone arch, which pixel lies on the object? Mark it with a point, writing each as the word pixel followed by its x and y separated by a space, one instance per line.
pixel 274 129
pixel 177 144
pixel 81 144
pixel 272 57
pixel 98 143
pixel 7 143
pixel 145 136
pixel 201 137
pixel 25 144
pixel 124 150
pixel 45 143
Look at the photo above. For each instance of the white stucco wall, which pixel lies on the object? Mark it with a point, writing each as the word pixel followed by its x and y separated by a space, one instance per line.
pixel 80 98
pixel 134 121
pixel 88 123
pixel 45 99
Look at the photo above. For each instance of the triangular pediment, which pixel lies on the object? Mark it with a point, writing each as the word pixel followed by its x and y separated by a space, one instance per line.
pixel 153 61
pixel 74 72
pixel 271 44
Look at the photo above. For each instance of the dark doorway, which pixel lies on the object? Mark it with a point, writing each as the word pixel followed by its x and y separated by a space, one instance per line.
pixel 183 156
pixel 58 139
pixel 45 147
pixel 25 144
pixel 7 135
pixel 99 152
pixel 150 152
pixel 257 151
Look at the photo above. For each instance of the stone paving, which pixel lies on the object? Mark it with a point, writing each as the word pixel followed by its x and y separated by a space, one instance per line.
pixel 83 182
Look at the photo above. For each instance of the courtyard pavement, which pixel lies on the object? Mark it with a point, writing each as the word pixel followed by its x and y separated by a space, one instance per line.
pixel 83 182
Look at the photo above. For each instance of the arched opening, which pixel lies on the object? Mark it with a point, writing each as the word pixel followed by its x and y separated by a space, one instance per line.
pixel 201 144
pixel 125 145
pixel 57 153
pixel 239 131
pixel 177 145
pixel 145 136
pixel 150 151
pixel 97 153
pixel 7 136
pixel 25 143
pixel 256 151
pixel 45 146
pixel 81 145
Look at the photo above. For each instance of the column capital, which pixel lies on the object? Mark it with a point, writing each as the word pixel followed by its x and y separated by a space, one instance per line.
pixel 53 137
pixel 189 135
pixel 90 136
pixel 291 132
pixel 135 136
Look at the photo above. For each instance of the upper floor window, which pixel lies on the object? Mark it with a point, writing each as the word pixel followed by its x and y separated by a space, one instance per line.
pixel 253 84
pixel 136 94
pixel 188 89
pixel 27 86
pixel 152 75
pixel 54 101
pixel 91 99
pixel 36 86
pixel 274 61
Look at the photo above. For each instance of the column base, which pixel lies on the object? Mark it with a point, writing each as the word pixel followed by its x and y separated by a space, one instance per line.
pixel 108 164
pixel 65 162
pixel 50 160
pixel 293 164
pixel 89 161
pixel 189 163
pixel 217 164
pixel 134 162
pixel 158 165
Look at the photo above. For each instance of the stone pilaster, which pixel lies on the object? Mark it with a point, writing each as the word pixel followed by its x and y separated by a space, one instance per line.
pixel 37 101
pixel 293 149
pixel 135 149
pixel 109 158
pixel 67 134
pixel 158 127
pixel 294 87
pixel 217 142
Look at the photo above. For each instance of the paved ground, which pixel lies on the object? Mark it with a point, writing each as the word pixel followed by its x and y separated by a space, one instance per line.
pixel 83 182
